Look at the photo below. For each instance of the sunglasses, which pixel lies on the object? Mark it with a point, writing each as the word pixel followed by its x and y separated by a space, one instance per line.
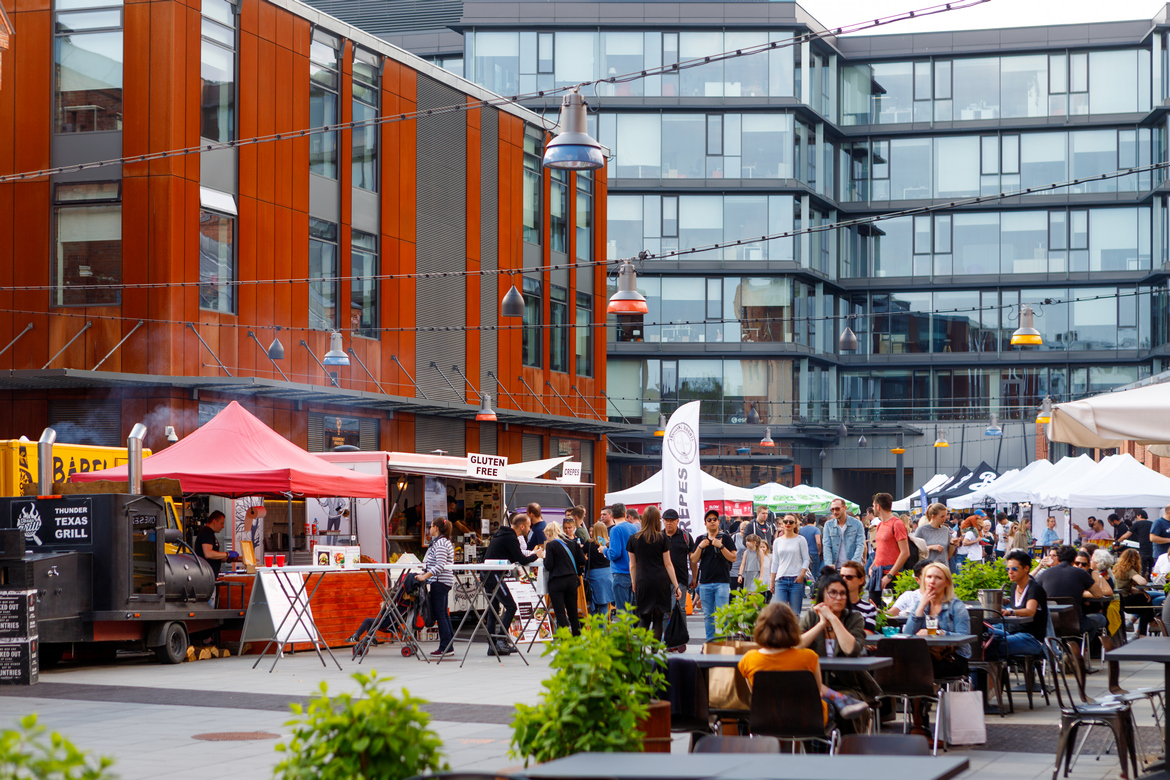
pixel 1013 568
pixel 848 577
pixel 1082 564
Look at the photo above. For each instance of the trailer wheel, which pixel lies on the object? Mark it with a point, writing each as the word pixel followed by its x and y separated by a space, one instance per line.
pixel 174 647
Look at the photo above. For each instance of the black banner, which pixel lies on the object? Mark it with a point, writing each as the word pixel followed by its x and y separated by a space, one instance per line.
pixel 54 522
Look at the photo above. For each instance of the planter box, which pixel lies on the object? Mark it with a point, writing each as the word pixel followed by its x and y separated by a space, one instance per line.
pixel 656 728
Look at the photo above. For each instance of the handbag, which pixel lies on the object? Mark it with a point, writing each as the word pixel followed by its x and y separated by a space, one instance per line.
pixel 727 688
pixel 960 718
pixel 676 633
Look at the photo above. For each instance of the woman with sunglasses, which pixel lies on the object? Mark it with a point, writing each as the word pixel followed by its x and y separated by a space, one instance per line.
pixel 790 561
pixel 1026 600
pixel 853 574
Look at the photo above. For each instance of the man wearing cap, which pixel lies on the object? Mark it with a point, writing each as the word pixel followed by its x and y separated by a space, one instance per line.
pixel 685 572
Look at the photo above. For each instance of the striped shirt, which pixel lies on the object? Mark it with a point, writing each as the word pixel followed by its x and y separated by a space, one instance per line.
pixel 439 559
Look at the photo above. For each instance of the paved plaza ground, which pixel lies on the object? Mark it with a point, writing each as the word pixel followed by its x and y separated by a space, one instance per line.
pixel 146 715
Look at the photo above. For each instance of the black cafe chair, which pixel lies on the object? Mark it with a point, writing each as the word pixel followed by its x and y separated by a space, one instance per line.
pixel 993 666
pixel 713 744
pixel 910 678
pixel 787 705
pixel 883 745
pixel 1116 715
pixel 1026 663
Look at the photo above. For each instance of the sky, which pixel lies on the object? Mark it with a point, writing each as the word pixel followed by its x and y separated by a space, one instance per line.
pixel 996 13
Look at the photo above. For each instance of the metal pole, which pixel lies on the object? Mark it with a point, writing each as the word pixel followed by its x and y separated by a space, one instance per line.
pixel 499 387
pixel 252 336
pixel 586 400
pixel 408 376
pixel 900 479
pixel 539 400
pixel 119 344
pixel 363 365
pixel 328 375
pixel 435 366
pixel 88 325
pixel 935 450
pixel 27 328
pixel 204 343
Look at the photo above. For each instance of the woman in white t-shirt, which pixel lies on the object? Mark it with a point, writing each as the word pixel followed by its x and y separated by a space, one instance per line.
pixel 970 546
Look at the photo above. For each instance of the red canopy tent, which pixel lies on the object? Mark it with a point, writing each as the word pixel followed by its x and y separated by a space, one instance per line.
pixel 236 455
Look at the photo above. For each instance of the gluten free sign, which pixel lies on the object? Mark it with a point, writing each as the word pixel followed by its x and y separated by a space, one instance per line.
pixel 489 467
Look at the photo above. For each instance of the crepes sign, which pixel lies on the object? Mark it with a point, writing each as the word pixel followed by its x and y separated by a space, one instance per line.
pixel 53 522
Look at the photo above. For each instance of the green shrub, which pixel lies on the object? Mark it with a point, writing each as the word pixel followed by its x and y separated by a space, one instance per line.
pixel 600 689
pixel 975 576
pixel 738 616
pixel 374 734
pixel 25 753
pixel 903 582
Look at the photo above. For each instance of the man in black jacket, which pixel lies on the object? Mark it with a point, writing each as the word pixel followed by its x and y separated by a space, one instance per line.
pixel 504 546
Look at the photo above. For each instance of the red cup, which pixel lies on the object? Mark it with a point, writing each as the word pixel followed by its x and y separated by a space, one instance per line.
pixel 279 561
pixel 268 560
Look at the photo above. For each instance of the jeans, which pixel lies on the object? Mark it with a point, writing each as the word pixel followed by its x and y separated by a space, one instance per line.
pixel 438 597
pixel 562 591
pixel 332 524
pixel 713 595
pixel 623 590
pixel 814 567
pixel 790 592
pixel 1094 624
pixel 499 629
pixel 1019 643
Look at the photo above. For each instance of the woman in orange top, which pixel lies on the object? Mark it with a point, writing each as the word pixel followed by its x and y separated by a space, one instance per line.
pixel 777 632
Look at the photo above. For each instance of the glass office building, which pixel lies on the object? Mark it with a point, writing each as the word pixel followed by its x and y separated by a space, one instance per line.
pixel 820 132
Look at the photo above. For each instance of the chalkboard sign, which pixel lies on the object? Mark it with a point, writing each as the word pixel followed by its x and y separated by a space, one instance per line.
pixel 18 662
pixel 18 614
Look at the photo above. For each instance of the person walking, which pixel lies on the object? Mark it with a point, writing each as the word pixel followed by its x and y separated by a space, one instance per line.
pixel 504 546
pixel 936 535
pixel 599 575
pixel 812 537
pixel 685 573
pixel 891 547
pixel 843 537
pixel 438 561
pixel 563 562
pixel 652 572
pixel 713 553
pixel 619 559
pixel 790 562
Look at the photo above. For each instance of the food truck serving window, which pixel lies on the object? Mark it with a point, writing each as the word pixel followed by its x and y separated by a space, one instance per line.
pixel 145 560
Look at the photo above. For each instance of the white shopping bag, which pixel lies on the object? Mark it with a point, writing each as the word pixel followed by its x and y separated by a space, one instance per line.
pixel 960 718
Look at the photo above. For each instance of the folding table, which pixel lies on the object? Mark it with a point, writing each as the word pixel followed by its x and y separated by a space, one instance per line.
pixel 298 610
pixel 389 589
pixel 483 569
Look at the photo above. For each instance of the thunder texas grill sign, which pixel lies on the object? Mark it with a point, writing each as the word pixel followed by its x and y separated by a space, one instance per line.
pixel 63 522
pixel 682 485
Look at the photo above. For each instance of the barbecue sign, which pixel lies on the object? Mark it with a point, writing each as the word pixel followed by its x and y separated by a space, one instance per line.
pixel 53 522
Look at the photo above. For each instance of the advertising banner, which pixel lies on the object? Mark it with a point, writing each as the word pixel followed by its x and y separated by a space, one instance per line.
pixel 682 486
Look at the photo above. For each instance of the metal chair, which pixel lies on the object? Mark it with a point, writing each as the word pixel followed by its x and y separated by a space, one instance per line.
pixel 696 719
pixel 1028 662
pixel 1116 715
pixel 910 678
pixel 883 745
pixel 788 706
pixel 994 668
pixel 713 744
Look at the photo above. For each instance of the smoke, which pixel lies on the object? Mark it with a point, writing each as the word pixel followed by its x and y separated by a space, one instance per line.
pixel 73 433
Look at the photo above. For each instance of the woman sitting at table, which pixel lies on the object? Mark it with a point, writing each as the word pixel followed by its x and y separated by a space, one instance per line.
pixel 853 573
pixel 778 635
pixel 1026 600
pixel 1130 585
pixel 832 627
pixel 939 604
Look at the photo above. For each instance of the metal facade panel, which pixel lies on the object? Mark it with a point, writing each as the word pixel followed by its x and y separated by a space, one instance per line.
pixel 531 447
pixel 488 438
pixel 489 304
pixel 440 433
pixel 386 17
pixel 315 424
pixel 83 421
pixel 441 221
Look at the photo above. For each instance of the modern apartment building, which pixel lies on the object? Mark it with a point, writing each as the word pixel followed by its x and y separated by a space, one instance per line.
pixel 831 130
pixel 150 290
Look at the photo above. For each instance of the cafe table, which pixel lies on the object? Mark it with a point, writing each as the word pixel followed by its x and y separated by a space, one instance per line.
pixel 740 766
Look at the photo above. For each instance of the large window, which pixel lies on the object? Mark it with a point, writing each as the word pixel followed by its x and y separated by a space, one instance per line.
pixel 87 262
pixel 584 335
pixel 532 190
pixel 531 342
pixel 88 59
pixel 323 90
pixel 668 222
pixel 217 71
pixel 365 109
pixel 584 223
pixel 363 301
pixel 322 274
pixel 558 212
pixel 217 262
pixel 558 335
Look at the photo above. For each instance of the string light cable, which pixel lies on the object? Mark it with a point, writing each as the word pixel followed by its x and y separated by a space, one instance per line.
pixel 501 101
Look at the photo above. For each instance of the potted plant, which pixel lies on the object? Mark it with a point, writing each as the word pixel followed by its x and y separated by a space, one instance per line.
pixel 599 696
pixel 373 733
pixel 737 618
pixel 25 752
pixel 975 576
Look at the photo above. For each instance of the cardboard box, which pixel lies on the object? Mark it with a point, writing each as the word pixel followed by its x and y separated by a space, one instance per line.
pixel 18 662
pixel 18 614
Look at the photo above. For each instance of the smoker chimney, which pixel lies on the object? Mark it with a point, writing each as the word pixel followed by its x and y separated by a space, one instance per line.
pixel 134 458
pixel 45 461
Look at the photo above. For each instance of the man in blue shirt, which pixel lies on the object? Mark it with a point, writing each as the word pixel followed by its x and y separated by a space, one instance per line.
pixel 1160 534
pixel 843 538
pixel 812 537
pixel 1049 536
pixel 619 566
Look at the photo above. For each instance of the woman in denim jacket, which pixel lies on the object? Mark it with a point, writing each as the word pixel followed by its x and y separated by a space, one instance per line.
pixel 938 601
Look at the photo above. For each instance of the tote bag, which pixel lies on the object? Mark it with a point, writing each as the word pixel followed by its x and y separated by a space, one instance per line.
pixel 960 718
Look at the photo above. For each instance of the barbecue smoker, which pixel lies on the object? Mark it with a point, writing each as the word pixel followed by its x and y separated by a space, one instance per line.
pixel 99 566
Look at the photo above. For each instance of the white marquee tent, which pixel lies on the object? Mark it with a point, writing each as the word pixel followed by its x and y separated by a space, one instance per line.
pixel 717 494
pixel 903 504
pixel 980 497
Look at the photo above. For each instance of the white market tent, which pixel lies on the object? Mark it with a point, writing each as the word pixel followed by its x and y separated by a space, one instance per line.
pixel 1001 490
pixel 717 494
pixel 770 493
pixel 802 498
pixel 1033 490
pixel 979 497
pixel 903 504
pixel 1117 481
